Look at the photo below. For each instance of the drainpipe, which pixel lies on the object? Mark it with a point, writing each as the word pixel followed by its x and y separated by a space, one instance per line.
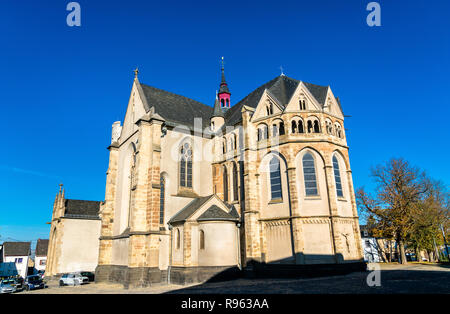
pixel 170 255
pixel 238 225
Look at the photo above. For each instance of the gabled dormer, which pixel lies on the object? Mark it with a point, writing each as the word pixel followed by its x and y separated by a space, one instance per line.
pixel 268 106
pixel 332 106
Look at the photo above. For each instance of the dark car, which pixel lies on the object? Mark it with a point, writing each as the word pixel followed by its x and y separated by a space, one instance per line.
pixel 34 282
pixel 19 283
pixel 88 274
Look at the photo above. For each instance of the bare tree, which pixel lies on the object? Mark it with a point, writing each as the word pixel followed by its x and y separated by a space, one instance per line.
pixel 399 187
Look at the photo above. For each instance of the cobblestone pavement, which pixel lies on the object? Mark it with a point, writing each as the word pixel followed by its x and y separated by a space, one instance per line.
pixel 412 278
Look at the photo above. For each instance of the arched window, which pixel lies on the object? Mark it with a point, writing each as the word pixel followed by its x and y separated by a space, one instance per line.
pixel 224 146
pixel 161 200
pixel 202 240
pixel 282 132
pixel 235 183
pixel 225 184
pixel 316 127
pixel 263 132
pixel 177 239
pixel 310 126
pixel 300 126
pixel 186 166
pixel 302 102
pixel 274 130
pixel 337 177
pixel 222 103
pixel 275 178
pixel 294 126
pixel 309 175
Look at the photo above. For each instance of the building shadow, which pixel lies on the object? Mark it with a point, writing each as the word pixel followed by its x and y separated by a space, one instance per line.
pixel 405 280
pixel 312 266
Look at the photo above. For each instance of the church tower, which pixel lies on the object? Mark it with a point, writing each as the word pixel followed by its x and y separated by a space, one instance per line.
pixel 224 92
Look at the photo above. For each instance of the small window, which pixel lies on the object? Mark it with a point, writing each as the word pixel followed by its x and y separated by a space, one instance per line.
pixel 178 240
pixel 367 243
pixel 337 177
pixel 275 178
pixel 202 240
pixel 294 126
pixel 316 127
pixel 309 174
pixel 42 262
pixel 282 132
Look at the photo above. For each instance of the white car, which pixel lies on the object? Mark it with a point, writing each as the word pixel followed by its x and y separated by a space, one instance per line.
pixel 73 279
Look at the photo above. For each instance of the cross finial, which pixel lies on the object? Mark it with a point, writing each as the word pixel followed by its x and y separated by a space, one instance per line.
pixel 136 72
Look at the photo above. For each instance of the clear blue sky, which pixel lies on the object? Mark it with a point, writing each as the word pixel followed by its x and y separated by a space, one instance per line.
pixel 61 88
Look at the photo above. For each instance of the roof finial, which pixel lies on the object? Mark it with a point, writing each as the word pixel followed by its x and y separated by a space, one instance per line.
pixel 281 69
pixel 222 64
pixel 60 187
pixel 136 72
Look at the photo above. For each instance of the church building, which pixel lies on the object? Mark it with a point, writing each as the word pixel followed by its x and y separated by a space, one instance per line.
pixel 261 185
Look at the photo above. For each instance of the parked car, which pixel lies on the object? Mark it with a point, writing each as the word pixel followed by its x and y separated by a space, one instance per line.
pixel 41 273
pixel 8 286
pixel 19 282
pixel 88 274
pixel 34 282
pixel 73 279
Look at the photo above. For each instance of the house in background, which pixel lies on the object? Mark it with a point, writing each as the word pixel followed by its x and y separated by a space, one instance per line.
pixel 15 257
pixel 75 230
pixel 370 245
pixel 40 259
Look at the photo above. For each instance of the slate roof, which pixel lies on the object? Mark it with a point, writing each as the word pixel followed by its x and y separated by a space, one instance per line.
pixel 212 213
pixel 282 88
pixel 182 110
pixel 16 248
pixel 218 112
pixel 189 209
pixel 176 108
pixel 215 213
pixel 41 247
pixel 81 208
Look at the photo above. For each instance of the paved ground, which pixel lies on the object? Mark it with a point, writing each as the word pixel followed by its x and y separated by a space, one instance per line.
pixel 394 278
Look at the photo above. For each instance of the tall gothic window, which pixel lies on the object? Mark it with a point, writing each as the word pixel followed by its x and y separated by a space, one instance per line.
pixel 161 200
pixel 235 183
pixel 309 174
pixel 202 240
pixel 337 177
pixel 225 184
pixel 186 166
pixel 275 178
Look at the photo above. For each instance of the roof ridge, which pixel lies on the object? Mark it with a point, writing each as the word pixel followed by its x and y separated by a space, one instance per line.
pixel 165 91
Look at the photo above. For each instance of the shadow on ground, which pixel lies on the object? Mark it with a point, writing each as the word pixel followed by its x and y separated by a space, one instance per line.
pixel 410 279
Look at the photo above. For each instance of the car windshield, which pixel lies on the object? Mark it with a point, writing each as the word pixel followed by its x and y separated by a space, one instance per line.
pixel 33 278
pixel 8 282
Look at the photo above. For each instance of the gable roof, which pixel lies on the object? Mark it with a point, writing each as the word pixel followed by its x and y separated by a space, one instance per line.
pixel 16 248
pixel 215 213
pixel 189 209
pixel 176 108
pixel 82 209
pixel 282 88
pixel 41 247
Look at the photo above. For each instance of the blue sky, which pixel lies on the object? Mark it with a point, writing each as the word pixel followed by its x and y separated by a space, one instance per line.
pixel 62 87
